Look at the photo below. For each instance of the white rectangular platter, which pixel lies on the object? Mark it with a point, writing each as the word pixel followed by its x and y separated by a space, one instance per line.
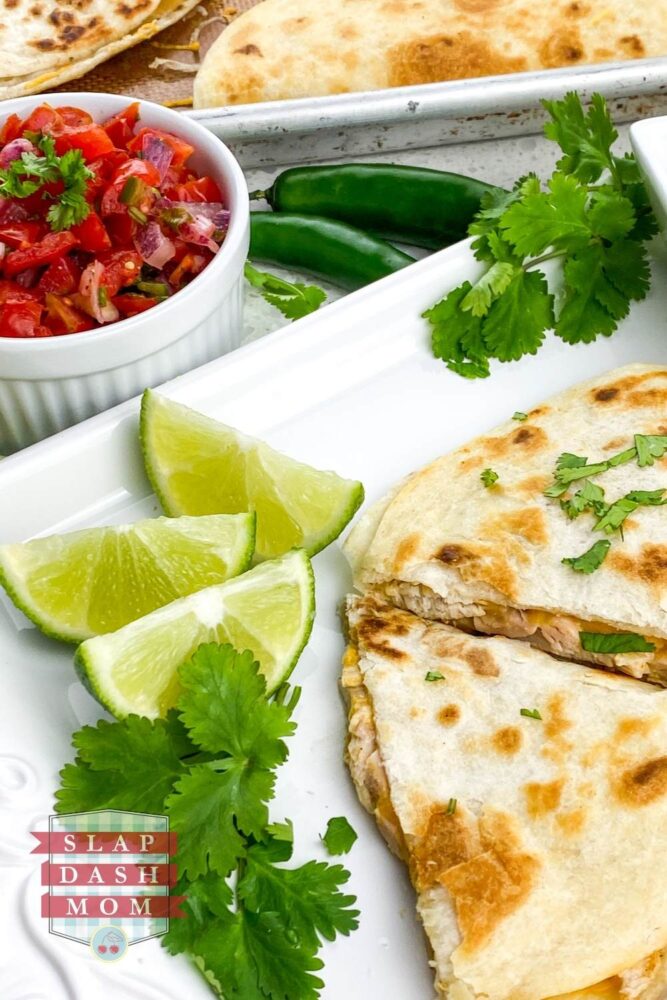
pixel 355 389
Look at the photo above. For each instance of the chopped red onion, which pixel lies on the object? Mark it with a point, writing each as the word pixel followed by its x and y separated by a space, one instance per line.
pixel 89 286
pixel 155 248
pixel 12 211
pixel 3 250
pixel 199 231
pixel 209 209
pixel 157 152
pixel 14 150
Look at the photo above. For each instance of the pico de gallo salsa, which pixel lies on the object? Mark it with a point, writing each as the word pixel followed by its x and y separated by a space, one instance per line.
pixel 98 222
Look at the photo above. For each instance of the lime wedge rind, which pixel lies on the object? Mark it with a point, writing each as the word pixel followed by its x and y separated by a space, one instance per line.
pixel 343 497
pixel 237 532
pixel 104 663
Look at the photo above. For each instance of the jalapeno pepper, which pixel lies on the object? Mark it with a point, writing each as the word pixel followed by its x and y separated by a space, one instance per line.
pixel 427 208
pixel 332 250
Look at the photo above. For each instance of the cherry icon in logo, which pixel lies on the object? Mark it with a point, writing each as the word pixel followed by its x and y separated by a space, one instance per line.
pixel 113 948
pixel 102 949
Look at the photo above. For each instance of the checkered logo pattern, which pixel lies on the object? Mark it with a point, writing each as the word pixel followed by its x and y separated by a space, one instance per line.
pixel 108 820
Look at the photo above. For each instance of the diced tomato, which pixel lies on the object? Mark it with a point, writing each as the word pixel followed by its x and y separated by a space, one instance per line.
pixel 91 140
pixel 120 128
pixel 20 319
pixel 131 304
pixel 191 264
pixel 22 234
pixel 182 150
pixel 121 229
pixel 64 318
pixel 40 202
pixel 42 119
pixel 91 234
pixel 121 268
pixel 142 169
pixel 74 117
pixel 53 246
pixel 61 277
pixel 10 130
pixel 11 292
pixel 202 189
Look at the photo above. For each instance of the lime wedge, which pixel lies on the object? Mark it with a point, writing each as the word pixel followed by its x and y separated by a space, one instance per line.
pixel 200 466
pixel 268 610
pixel 90 582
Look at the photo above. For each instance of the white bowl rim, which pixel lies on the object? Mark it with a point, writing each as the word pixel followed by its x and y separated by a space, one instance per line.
pixel 210 145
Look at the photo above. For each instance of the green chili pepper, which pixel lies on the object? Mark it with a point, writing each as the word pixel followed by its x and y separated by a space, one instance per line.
pixel 155 288
pixel 427 208
pixel 332 250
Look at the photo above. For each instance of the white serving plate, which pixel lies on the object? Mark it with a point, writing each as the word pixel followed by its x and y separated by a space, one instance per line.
pixel 355 389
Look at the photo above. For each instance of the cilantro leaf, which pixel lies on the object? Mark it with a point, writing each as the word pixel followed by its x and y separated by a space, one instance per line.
pixel 251 957
pixel 616 513
pixel 433 675
pixel 207 897
pixel 492 284
pixel 611 215
pixel 590 497
pixel 517 321
pixel 557 219
pixel 519 416
pixel 615 642
pixel 339 836
pixel 649 447
pixel 531 713
pixel 488 477
pixel 307 900
pixel 294 300
pixel 223 705
pixel 590 560
pixel 130 765
pixel 585 138
pixel 592 304
pixel 456 336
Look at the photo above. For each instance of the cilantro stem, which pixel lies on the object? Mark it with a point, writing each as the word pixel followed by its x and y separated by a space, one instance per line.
pixel 554 255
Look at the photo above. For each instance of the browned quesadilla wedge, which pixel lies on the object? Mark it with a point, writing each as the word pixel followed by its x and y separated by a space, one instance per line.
pixel 528 798
pixel 490 558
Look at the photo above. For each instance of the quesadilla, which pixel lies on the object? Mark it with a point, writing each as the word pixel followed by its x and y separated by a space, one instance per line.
pixel 283 49
pixel 528 798
pixel 581 572
pixel 46 43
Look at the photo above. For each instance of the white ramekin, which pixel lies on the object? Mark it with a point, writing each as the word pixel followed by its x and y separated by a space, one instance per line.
pixel 51 383
pixel 649 142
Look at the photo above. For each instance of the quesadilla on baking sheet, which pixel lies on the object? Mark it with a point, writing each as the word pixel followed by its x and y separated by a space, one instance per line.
pixel 551 528
pixel 528 798
pixel 44 44
pixel 283 49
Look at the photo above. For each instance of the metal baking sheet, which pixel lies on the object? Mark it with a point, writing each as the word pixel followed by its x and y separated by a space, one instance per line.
pixel 458 111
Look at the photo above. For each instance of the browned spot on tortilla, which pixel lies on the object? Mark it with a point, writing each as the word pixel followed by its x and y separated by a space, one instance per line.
pixel 572 822
pixel 555 720
pixel 533 485
pixel 72 32
pixel 10 4
pixel 628 728
pixel 539 411
pixel 416 713
pixel 528 523
pixel 643 783
pixel 406 550
pixel 348 31
pixel 507 740
pixel 605 395
pixel 632 45
pixel 604 54
pixel 44 44
pixel 577 9
pixel 249 50
pixel 562 48
pixel 449 840
pixel 481 662
pixel 476 6
pixel 454 555
pixel 649 565
pixel 493 885
pixel 36 10
pixel 542 797
pixel 635 391
pixel 527 440
pixel 453 56
pixel 615 444
pixel 449 715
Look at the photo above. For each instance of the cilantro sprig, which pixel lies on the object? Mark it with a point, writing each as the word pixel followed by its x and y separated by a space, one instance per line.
pixel 30 172
pixel 293 299
pixel 254 925
pixel 593 218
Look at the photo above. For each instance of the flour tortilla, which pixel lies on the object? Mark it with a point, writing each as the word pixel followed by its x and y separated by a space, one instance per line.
pixel 44 43
pixel 283 49
pixel 490 560
pixel 537 847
